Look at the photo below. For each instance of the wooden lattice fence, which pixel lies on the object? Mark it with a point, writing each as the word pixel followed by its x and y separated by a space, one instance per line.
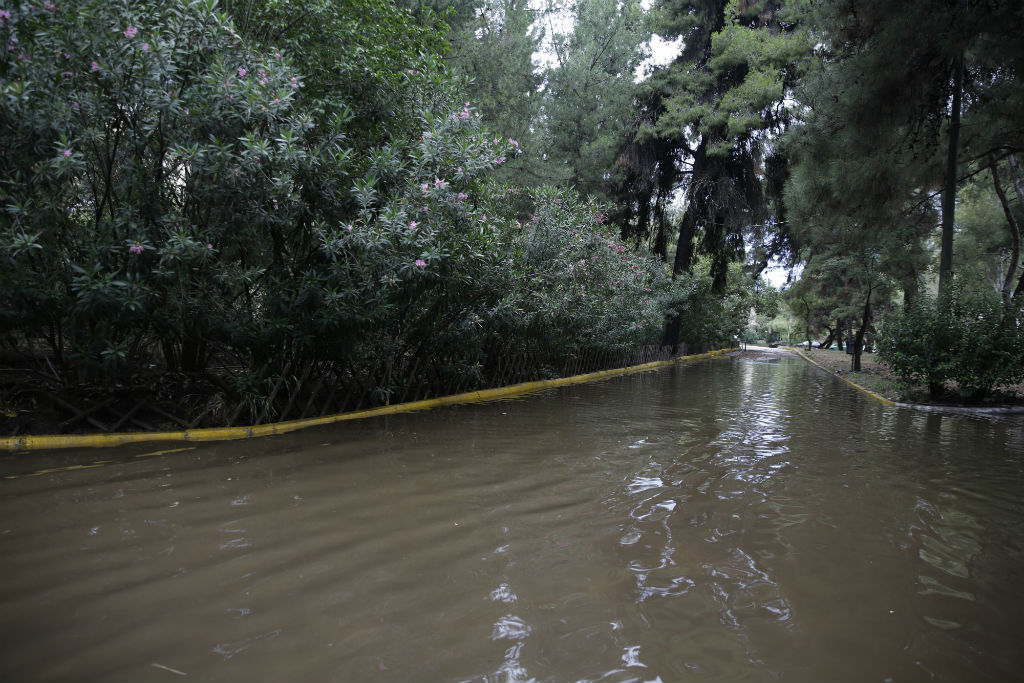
pixel 291 391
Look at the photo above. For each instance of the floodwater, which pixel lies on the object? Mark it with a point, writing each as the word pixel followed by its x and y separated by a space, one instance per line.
pixel 736 519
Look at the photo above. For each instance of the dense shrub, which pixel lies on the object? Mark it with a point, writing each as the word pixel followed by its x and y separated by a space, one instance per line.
pixel 708 319
pixel 569 279
pixel 153 172
pixel 973 340
pixel 173 195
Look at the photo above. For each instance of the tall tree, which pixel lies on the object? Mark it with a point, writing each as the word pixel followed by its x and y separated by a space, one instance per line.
pixel 905 97
pixel 494 51
pixel 721 102
pixel 726 95
pixel 588 93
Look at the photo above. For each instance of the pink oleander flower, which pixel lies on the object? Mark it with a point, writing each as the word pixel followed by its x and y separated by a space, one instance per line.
pixel 145 47
pixel 50 6
pixel 349 227
pixel 412 225
pixel 277 55
pixel 420 263
pixel 130 32
pixel 424 188
pixel 242 72
pixel 209 246
pixel 67 152
pixel 463 196
pixel 135 248
pixel 501 160
pixel 277 100
pixel 438 183
pixel 513 143
pixel 95 66
pixel 75 106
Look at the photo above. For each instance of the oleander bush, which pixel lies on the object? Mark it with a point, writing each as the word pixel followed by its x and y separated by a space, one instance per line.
pixel 180 195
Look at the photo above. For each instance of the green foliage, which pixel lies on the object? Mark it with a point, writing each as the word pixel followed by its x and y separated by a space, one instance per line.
pixel 177 190
pixel 870 151
pixel 569 275
pixel 708 318
pixel 288 185
pixel 716 110
pixel 738 66
pixel 983 241
pixel 146 150
pixel 492 49
pixel 356 57
pixel 589 92
pixel 974 341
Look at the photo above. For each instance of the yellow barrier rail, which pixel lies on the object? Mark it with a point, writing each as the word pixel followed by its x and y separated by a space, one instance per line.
pixel 872 394
pixel 28 442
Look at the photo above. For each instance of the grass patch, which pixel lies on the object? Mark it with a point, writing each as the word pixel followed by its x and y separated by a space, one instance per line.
pixel 873 375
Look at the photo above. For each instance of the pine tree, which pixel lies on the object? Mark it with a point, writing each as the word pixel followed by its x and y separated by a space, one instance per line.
pixel 905 98
pixel 588 94
pixel 720 104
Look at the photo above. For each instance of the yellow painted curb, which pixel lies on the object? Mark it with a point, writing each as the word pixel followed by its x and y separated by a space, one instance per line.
pixel 877 397
pixel 52 441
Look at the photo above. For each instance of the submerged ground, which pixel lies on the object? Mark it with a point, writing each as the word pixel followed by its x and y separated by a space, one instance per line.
pixel 744 518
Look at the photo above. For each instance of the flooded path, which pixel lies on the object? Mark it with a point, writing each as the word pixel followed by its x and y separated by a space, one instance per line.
pixel 733 519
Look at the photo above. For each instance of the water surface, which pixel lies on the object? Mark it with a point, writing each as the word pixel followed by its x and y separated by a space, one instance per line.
pixel 736 519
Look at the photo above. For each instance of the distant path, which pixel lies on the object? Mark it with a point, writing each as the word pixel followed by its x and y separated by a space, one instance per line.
pixel 754 351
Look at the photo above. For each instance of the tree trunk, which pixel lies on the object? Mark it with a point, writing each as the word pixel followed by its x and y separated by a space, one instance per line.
pixel 911 288
pixel 643 216
pixel 949 191
pixel 1018 187
pixel 831 336
pixel 1011 220
pixel 688 229
pixel 858 341
pixel 684 248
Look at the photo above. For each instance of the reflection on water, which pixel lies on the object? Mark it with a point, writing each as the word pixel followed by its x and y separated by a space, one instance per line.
pixel 738 519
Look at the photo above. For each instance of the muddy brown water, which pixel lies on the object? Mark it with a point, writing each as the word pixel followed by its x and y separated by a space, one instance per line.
pixel 737 519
